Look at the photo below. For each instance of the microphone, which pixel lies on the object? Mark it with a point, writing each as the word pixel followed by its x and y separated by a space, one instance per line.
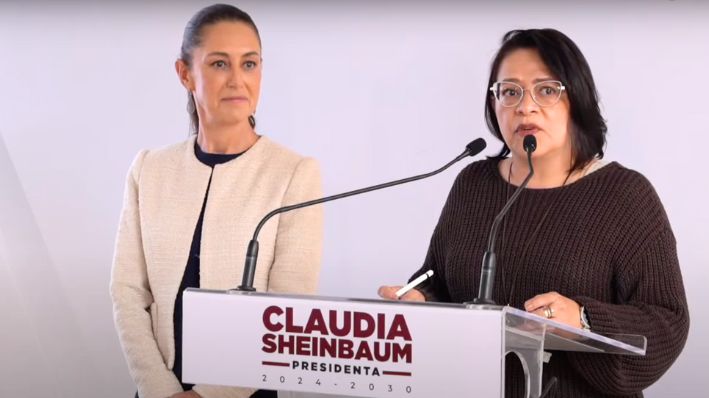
pixel 487 275
pixel 247 283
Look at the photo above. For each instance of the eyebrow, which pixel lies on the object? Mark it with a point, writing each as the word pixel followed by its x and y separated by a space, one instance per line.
pixel 542 79
pixel 223 54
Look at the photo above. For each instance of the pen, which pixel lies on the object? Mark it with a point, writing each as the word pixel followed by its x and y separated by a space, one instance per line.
pixel 414 283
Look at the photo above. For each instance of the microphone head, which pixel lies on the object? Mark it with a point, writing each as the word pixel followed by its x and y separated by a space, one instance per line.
pixel 530 143
pixel 476 146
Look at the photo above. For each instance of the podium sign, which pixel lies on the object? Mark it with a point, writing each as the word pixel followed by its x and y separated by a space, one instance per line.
pixel 343 347
pixel 371 348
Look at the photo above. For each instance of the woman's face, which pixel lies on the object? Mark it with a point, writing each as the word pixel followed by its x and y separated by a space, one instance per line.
pixel 551 125
pixel 225 74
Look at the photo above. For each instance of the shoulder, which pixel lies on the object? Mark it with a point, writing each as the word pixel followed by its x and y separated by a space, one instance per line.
pixel 626 185
pixel 479 172
pixel 478 179
pixel 165 163
pixel 284 159
pixel 630 197
pixel 171 153
pixel 277 166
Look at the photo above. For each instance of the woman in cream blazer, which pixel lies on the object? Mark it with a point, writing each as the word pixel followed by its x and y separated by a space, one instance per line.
pixel 166 191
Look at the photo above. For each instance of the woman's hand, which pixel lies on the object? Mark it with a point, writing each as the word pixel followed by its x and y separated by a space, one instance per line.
pixel 554 306
pixel 389 293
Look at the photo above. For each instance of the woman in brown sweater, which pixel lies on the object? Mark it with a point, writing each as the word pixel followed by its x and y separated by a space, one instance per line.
pixel 587 244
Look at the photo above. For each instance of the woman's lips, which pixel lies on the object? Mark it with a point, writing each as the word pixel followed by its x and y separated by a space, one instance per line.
pixel 527 129
pixel 235 99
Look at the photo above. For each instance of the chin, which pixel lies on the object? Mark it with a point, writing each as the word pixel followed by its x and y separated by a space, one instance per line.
pixel 232 120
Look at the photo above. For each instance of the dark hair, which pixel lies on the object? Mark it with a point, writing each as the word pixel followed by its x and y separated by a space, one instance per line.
pixel 193 38
pixel 566 62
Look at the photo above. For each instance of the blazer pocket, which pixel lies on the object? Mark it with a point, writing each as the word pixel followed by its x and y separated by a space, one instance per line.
pixel 154 318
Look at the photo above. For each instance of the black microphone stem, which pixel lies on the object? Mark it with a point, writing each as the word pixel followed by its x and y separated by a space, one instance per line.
pixel 355 192
pixel 492 238
pixel 247 282
pixel 489 265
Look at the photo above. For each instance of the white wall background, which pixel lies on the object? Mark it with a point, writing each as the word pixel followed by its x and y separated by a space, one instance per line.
pixel 374 90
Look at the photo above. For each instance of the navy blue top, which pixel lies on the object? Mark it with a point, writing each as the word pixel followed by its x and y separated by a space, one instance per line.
pixel 191 276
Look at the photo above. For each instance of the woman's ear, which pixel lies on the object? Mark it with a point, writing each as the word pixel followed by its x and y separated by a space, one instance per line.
pixel 184 74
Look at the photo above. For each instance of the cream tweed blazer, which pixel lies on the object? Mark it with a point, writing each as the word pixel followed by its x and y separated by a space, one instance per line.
pixel 163 198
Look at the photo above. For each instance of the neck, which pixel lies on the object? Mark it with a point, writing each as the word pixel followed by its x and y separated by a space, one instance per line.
pixel 548 172
pixel 226 139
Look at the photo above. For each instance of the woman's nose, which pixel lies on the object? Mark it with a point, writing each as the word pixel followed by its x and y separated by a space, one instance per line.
pixel 527 103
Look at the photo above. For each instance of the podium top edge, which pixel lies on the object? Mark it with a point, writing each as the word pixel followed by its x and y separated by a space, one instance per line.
pixel 337 299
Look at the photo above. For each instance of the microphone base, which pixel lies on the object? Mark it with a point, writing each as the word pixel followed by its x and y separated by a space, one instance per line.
pixel 246 289
pixel 482 301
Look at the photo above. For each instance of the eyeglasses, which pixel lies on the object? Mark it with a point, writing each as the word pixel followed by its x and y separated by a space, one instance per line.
pixel 546 93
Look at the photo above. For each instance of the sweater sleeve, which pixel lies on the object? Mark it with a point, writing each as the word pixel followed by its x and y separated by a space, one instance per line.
pixel 296 263
pixel 650 301
pixel 436 288
pixel 133 305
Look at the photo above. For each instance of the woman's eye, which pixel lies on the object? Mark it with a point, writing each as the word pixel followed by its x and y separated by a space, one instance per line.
pixel 249 65
pixel 219 64
pixel 510 92
pixel 548 90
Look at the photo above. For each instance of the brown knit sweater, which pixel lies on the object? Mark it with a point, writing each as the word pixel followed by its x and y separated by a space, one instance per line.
pixel 603 241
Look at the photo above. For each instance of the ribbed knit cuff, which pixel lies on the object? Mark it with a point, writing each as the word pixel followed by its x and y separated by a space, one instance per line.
pixel 600 319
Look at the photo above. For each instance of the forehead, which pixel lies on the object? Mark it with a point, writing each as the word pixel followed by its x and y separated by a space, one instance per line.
pixel 229 37
pixel 523 65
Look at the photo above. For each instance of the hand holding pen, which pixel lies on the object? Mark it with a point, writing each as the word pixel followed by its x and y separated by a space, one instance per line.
pixel 405 293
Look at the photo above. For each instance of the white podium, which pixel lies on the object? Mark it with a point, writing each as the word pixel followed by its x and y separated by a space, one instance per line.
pixel 371 348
